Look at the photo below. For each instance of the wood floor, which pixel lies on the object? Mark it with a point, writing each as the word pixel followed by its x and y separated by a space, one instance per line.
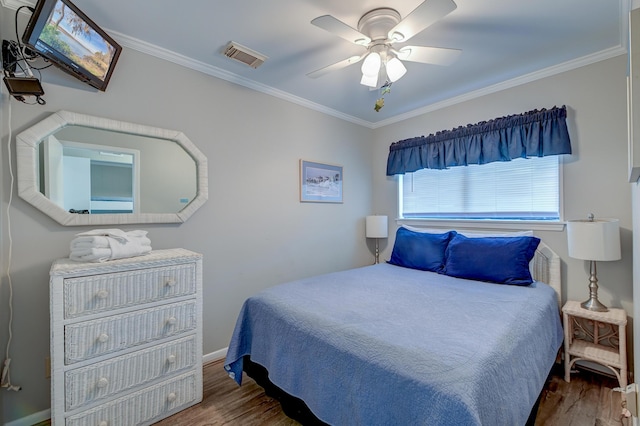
pixel 586 401
pixel 226 403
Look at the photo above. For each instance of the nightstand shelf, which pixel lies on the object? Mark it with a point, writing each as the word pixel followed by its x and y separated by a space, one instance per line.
pixel 598 337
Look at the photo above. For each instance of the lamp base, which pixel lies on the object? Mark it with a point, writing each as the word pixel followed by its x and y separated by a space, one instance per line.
pixel 377 253
pixel 594 305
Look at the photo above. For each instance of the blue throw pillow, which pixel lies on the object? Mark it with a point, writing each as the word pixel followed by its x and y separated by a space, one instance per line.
pixel 503 260
pixel 420 250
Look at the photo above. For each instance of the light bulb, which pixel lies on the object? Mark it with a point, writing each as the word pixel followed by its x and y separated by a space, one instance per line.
pixel 371 64
pixel 395 69
pixel 369 80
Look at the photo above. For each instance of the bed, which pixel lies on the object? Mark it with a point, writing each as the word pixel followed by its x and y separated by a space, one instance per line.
pixel 419 344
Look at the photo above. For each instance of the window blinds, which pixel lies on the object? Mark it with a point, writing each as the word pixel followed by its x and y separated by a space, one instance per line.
pixel 519 189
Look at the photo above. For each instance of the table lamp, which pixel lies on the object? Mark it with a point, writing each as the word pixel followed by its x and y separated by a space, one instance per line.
pixel 376 227
pixel 594 240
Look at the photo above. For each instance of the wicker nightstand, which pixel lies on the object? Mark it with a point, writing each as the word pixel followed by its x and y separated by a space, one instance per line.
pixel 595 336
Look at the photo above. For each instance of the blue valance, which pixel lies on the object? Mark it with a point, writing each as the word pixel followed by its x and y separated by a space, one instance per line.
pixel 532 134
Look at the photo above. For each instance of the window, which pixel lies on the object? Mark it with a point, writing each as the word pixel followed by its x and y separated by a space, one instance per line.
pixel 521 189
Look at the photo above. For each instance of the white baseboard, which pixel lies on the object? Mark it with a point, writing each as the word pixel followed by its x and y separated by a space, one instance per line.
pixel 31 419
pixel 46 414
pixel 214 356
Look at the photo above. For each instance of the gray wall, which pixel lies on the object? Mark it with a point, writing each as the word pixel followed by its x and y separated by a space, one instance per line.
pixel 253 231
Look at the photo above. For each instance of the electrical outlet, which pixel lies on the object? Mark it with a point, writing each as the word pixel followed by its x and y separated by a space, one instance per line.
pixel 47 368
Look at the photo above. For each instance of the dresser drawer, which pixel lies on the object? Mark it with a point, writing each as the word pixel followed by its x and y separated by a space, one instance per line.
pixel 98 293
pixel 89 339
pixel 142 407
pixel 110 378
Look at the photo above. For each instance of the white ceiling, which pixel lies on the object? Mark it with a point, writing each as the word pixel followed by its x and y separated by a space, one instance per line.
pixel 503 42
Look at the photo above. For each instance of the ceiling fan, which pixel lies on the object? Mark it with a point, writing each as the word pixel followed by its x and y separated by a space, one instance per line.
pixel 378 30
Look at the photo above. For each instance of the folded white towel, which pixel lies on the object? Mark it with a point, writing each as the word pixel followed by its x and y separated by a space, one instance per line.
pixel 137 233
pixel 113 233
pixel 101 245
pixel 90 242
pixel 105 254
pixel 131 248
pixel 103 242
pixel 91 255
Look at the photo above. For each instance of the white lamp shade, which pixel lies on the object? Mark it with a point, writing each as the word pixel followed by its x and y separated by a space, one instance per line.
pixel 395 69
pixel 376 227
pixel 371 81
pixel 371 64
pixel 594 240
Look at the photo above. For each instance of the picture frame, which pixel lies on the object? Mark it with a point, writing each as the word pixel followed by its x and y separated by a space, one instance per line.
pixel 320 182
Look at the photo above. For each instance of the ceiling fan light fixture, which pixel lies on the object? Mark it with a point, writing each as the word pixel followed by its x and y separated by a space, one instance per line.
pixel 395 69
pixel 369 80
pixel 378 30
pixel 371 65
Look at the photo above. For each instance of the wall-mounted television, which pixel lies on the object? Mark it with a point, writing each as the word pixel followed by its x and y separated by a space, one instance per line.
pixel 63 34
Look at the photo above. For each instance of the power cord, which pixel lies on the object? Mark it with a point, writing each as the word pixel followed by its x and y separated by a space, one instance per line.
pixel 14 56
pixel 15 61
pixel 5 378
pixel 15 21
pixel 17 51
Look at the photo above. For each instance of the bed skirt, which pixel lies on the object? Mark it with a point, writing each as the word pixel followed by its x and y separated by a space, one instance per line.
pixel 296 409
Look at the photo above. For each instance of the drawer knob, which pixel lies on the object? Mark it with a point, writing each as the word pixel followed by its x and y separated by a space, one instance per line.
pixel 103 423
pixel 171 282
pixel 103 337
pixel 172 321
pixel 102 294
pixel 103 382
pixel 171 359
pixel 172 397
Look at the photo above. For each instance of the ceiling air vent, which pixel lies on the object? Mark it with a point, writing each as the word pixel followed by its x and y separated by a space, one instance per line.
pixel 243 54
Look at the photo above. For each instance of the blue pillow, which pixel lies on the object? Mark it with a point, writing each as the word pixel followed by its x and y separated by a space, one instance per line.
pixel 420 250
pixel 503 260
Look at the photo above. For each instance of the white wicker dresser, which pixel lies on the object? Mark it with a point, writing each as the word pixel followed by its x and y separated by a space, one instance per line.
pixel 126 338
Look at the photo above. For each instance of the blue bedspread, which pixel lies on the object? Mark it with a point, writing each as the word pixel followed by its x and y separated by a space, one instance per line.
pixel 386 345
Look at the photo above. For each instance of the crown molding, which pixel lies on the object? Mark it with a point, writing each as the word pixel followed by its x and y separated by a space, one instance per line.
pixel 187 62
pixel 191 63
pixel 527 78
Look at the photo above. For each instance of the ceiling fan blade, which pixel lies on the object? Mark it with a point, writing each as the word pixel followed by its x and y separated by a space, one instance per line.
pixel 428 55
pixel 427 13
pixel 336 66
pixel 339 28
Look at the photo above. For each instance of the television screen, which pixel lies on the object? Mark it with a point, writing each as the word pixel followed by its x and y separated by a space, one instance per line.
pixel 63 34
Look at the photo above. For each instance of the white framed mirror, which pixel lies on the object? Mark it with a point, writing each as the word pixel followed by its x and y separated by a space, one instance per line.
pixel 85 170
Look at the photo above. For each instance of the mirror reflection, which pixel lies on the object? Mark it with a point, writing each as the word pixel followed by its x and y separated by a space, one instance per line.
pixel 95 171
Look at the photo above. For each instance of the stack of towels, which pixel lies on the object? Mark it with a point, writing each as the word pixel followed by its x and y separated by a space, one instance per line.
pixel 100 245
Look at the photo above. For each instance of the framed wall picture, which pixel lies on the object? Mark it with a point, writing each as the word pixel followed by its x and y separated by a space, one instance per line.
pixel 320 183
